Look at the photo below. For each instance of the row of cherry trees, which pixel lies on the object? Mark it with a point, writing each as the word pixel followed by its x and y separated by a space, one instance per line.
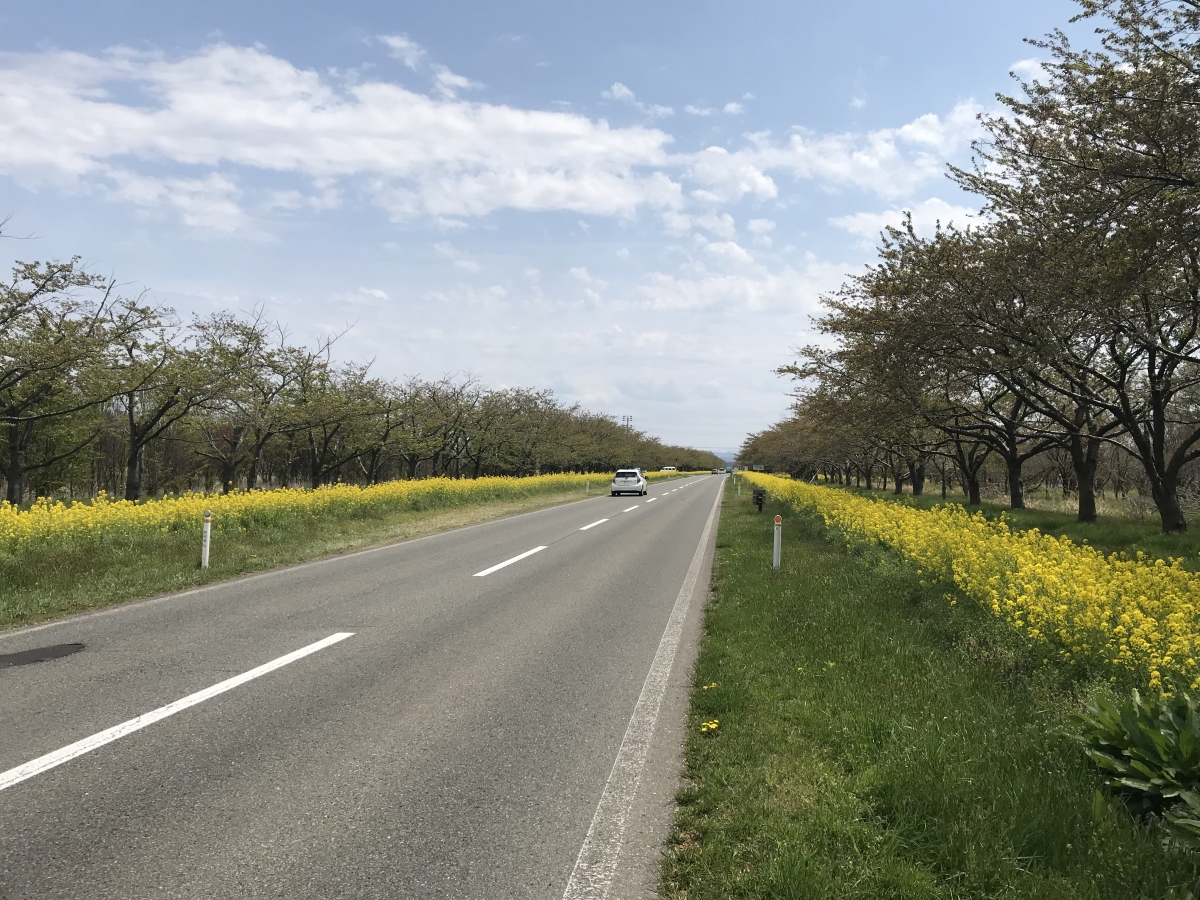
pixel 1067 321
pixel 101 392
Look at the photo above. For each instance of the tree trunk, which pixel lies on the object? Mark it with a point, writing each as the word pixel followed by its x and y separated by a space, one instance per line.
pixel 14 473
pixel 1016 488
pixel 899 482
pixel 252 473
pixel 1085 457
pixel 869 472
pixel 972 485
pixel 228 476
pixel 134 470
pixel 1166 498
pixel 917 475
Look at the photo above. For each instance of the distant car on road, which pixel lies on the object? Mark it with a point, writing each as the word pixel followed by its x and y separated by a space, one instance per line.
pixel 667 469
pixel 716 471
pixel 628 481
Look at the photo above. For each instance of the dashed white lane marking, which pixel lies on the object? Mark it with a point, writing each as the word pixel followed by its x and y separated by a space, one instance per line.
pixel 652 499
pixel 58 757
pixel 594 524
pixel 597 861
pixel 509 562
pixel 631 509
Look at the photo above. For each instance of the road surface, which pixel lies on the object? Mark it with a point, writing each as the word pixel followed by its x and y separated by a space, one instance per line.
pixel 463 715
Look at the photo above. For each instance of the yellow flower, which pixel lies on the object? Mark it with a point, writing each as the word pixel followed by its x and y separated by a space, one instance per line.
pixel 1139 614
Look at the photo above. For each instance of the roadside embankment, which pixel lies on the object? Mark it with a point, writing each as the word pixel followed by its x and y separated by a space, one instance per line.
pixel 874 739
pixel 57 559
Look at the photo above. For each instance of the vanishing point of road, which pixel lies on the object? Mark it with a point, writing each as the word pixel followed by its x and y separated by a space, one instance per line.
pixel 488 713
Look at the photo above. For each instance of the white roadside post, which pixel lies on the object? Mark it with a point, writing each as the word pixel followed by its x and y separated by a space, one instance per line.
pixel 778 542
pixel 205 538
pixel 587 487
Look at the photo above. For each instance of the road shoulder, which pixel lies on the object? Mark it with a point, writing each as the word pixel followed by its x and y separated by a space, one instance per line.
pixel 648 828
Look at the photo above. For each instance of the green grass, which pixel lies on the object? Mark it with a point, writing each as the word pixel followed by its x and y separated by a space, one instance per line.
pixel 922 751
pixel 1111 534
pixel 46 585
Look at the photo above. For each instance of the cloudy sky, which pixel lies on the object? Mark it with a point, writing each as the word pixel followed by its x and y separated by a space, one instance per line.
pixel 635 204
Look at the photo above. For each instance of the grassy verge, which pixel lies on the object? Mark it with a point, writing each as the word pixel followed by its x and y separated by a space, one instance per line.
pixel 876 742
pixel 47 585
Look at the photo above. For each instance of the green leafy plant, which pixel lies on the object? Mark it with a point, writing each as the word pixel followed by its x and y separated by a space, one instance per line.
pixel 1149 750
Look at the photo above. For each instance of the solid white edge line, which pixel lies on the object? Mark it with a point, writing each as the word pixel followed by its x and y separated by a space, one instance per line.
pixel 509 562
pixel 58 757
pixel 597 861
pixel 594 524
pixel 631 509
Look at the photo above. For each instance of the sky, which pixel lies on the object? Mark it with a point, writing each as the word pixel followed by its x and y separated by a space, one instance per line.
pixel 638 205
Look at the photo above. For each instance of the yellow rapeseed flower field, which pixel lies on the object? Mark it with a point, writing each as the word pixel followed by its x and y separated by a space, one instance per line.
pixel 50 525
pixel 1137 614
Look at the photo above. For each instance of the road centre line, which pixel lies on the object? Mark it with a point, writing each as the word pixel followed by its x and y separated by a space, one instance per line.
pixel 594 524
pixel 631 509
pixel 509 562
pixel 652 499
pixel 58 757
pixel 596 864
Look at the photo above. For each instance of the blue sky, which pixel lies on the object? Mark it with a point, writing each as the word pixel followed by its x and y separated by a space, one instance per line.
pixel 635 204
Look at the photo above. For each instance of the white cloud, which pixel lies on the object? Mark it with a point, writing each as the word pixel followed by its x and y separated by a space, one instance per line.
pixel 857 102
pixel 448 84
pixel 373 292
pixel 581 274
pixel 891 162
pixel 403 48
pixel 790 291
pixel 760 226
pixel 721 225
pixel 623 252
pixel 677 223
pixel 209 203
pixel 202 125
pixel 733 108
pixel 925 216
pixel 729 251
pixel 460 260
pixel 60 123
pixel 699 110
pixel 623 94
pixel 619 92
pixel 1027 69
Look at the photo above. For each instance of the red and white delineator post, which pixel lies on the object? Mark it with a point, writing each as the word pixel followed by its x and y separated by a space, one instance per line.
pixel 778 542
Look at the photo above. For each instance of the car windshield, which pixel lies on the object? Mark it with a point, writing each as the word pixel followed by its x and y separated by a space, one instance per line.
pixel 626 475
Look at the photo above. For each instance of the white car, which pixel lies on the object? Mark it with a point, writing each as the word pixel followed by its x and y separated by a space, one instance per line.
pixel 628 481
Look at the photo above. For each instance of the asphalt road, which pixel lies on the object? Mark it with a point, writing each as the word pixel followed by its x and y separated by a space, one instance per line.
pixel 457 744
